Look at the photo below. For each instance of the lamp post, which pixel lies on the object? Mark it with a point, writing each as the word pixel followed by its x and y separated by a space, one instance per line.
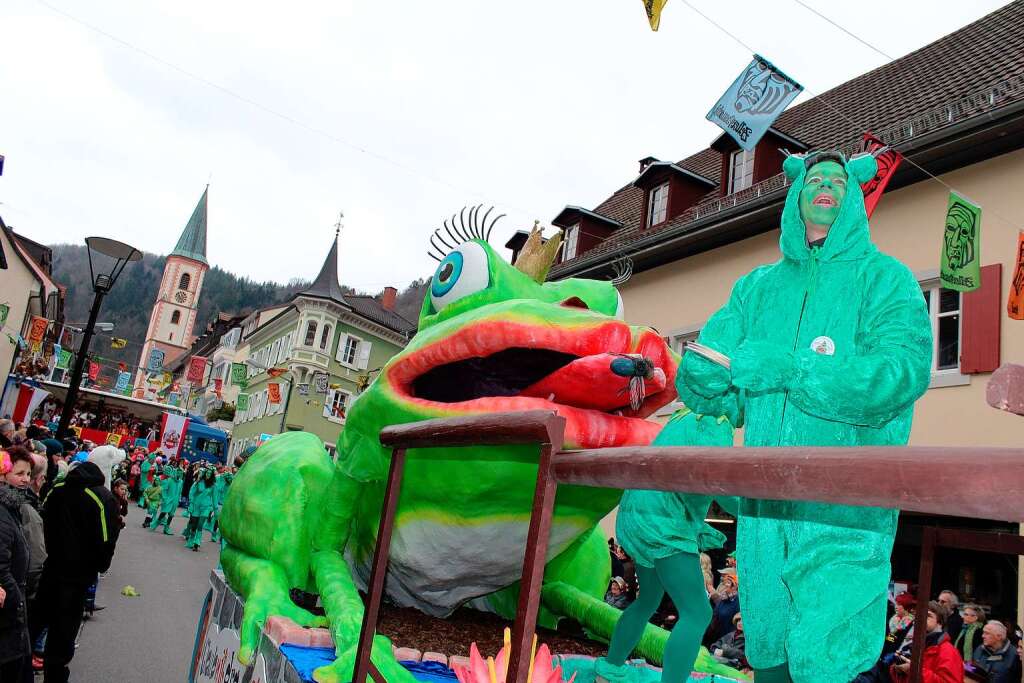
pixel 102 283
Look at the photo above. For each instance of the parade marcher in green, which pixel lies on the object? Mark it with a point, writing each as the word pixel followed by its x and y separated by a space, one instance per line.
pixel 829 346
pixel 144 469
pixel 220 491
pixel 665 532
pixel 152 498
pixel 200 505
pixel 171 484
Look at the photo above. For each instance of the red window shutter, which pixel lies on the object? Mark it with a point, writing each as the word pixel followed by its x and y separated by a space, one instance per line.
pixel 982 310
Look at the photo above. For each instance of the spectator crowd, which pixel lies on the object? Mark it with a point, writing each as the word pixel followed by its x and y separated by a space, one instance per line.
pixel 63 504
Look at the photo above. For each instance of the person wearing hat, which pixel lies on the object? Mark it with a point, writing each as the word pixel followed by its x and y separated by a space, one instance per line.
pixel 616 595
pixel 831 345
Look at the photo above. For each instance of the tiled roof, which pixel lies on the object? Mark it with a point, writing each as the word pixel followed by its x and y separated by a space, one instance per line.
pixel 958 65
pixel 369 307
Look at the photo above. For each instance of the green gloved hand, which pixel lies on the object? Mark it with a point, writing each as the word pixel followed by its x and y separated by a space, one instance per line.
pixel 762 366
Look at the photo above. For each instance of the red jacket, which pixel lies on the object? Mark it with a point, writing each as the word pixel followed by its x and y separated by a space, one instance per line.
pixel 942 662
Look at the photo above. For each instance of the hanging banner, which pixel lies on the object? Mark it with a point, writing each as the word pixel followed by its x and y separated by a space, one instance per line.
pixel 118 343
pixel 653 9
pixel 37 330
pixel 94 371
pixel 238 375
pixel 64 359
pixel 961 246
pixel 4 311
pixel 276 372
pixel 28 400
pixel 218 385
pixel 320 381
pixel 242 402
pixel 1015 305
pixel 173 398
pixel 888 161
pixel 274 392
pixel 156 360
pixel 303 389
pixel 122 381
pixel 196 369
pixel 753 102
pixel 172 433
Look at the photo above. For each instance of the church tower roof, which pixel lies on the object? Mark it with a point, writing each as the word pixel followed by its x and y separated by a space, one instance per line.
pixel 192 243
pixel 326 284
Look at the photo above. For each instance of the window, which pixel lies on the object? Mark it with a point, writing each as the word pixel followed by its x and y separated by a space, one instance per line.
pixel 310 333
pixel 657 205
pixel 230 340
pixel 185 281
pixel 286 347
pixel 325 338
pixel 175 317
pixel 336 405
pixel 677 341
pixel 572 236
pixel 347 354
pixel 741 170
pixel 944 310
pixel 274 351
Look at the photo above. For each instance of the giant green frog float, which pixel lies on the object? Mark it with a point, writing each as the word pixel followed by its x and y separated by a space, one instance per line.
pixel 492 337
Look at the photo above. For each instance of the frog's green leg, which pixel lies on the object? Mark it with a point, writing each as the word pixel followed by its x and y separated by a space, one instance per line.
pixel 338 593
pixel 265 587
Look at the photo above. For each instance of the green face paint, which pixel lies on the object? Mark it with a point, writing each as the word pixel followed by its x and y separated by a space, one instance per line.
pixel 823 193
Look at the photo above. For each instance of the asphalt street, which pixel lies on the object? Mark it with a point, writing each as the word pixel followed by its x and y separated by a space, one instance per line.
pixel 148 638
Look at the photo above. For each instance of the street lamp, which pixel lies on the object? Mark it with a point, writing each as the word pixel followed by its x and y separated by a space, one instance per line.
pixel 102 283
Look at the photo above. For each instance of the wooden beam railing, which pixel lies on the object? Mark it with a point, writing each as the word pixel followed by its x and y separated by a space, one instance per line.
pixel 861 476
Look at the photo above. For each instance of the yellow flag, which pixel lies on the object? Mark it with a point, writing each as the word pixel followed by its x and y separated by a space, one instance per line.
pixel 118 343
pixel 653 9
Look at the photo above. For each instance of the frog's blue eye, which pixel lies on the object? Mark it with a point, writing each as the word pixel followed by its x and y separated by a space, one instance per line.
pixel 462 272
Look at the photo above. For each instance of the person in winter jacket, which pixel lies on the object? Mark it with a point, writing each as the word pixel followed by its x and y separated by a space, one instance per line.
pixel 969 638
pixel 200 506
pixel 152 498
pixel 829 346
pixel 729 649
pixel 80 521
pixel 171 484
pixel 996 655
pixel 15 650
pixel 942 663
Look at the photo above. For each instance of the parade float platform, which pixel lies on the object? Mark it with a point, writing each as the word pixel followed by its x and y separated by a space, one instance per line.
pixel 288 653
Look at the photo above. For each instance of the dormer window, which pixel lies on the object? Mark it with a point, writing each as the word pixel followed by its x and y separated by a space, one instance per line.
pixel 657 205
pixel 741 170
pixel 572 240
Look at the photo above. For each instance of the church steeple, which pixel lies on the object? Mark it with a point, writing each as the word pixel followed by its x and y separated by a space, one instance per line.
pixel 192 243
pixel 326 284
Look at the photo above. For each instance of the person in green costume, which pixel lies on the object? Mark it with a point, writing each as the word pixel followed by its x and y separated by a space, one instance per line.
pixel 144 482
pixel 152 498
pixel 829 346
pixel 200 505
pixel 172 483
pixel 220 491
pixel 665 532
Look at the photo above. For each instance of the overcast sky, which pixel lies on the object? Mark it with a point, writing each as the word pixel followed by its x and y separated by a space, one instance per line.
pixel 421 107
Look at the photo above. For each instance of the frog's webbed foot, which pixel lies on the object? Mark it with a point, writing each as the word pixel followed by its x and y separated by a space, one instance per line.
pixel 265 588
pixel 340 671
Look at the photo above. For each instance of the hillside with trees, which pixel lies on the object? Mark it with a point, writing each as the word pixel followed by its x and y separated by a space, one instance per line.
pixel 129 304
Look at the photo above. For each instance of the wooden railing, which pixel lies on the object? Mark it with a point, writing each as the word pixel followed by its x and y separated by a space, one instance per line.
pixel 960 481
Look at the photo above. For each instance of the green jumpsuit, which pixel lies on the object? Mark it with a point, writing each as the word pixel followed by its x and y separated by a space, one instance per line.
pixel 830 346
pixel 144 469
pixel 664 532
pixel 200 505
pixel 220 490
pixel 172 485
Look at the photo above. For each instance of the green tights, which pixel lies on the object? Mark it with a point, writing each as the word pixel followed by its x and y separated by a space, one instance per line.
pixel 680 576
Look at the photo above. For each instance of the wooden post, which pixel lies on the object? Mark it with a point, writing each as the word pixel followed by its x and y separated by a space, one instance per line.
pixel 375 591
pixel 924 588
pixel 533 569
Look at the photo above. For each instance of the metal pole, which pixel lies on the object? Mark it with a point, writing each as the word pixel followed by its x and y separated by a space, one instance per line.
pixel 76 375
pixel 287 402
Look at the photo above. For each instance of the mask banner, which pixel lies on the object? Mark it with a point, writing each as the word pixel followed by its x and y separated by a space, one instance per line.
pixel 1015 305
pixel 961 245
pixel 122 382
pixel 242 402
pixel 888 162
pixel 196 369
pixel 156 361
pixel 274 392
pixel 238 373
pixel 753 102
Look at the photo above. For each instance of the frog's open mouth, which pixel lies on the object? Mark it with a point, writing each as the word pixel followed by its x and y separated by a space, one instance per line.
pixel 494 366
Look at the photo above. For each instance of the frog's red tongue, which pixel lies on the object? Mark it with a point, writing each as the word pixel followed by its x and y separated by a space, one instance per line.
pixel 589 382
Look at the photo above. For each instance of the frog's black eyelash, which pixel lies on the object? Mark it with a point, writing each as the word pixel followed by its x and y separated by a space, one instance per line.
pixel 469 227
